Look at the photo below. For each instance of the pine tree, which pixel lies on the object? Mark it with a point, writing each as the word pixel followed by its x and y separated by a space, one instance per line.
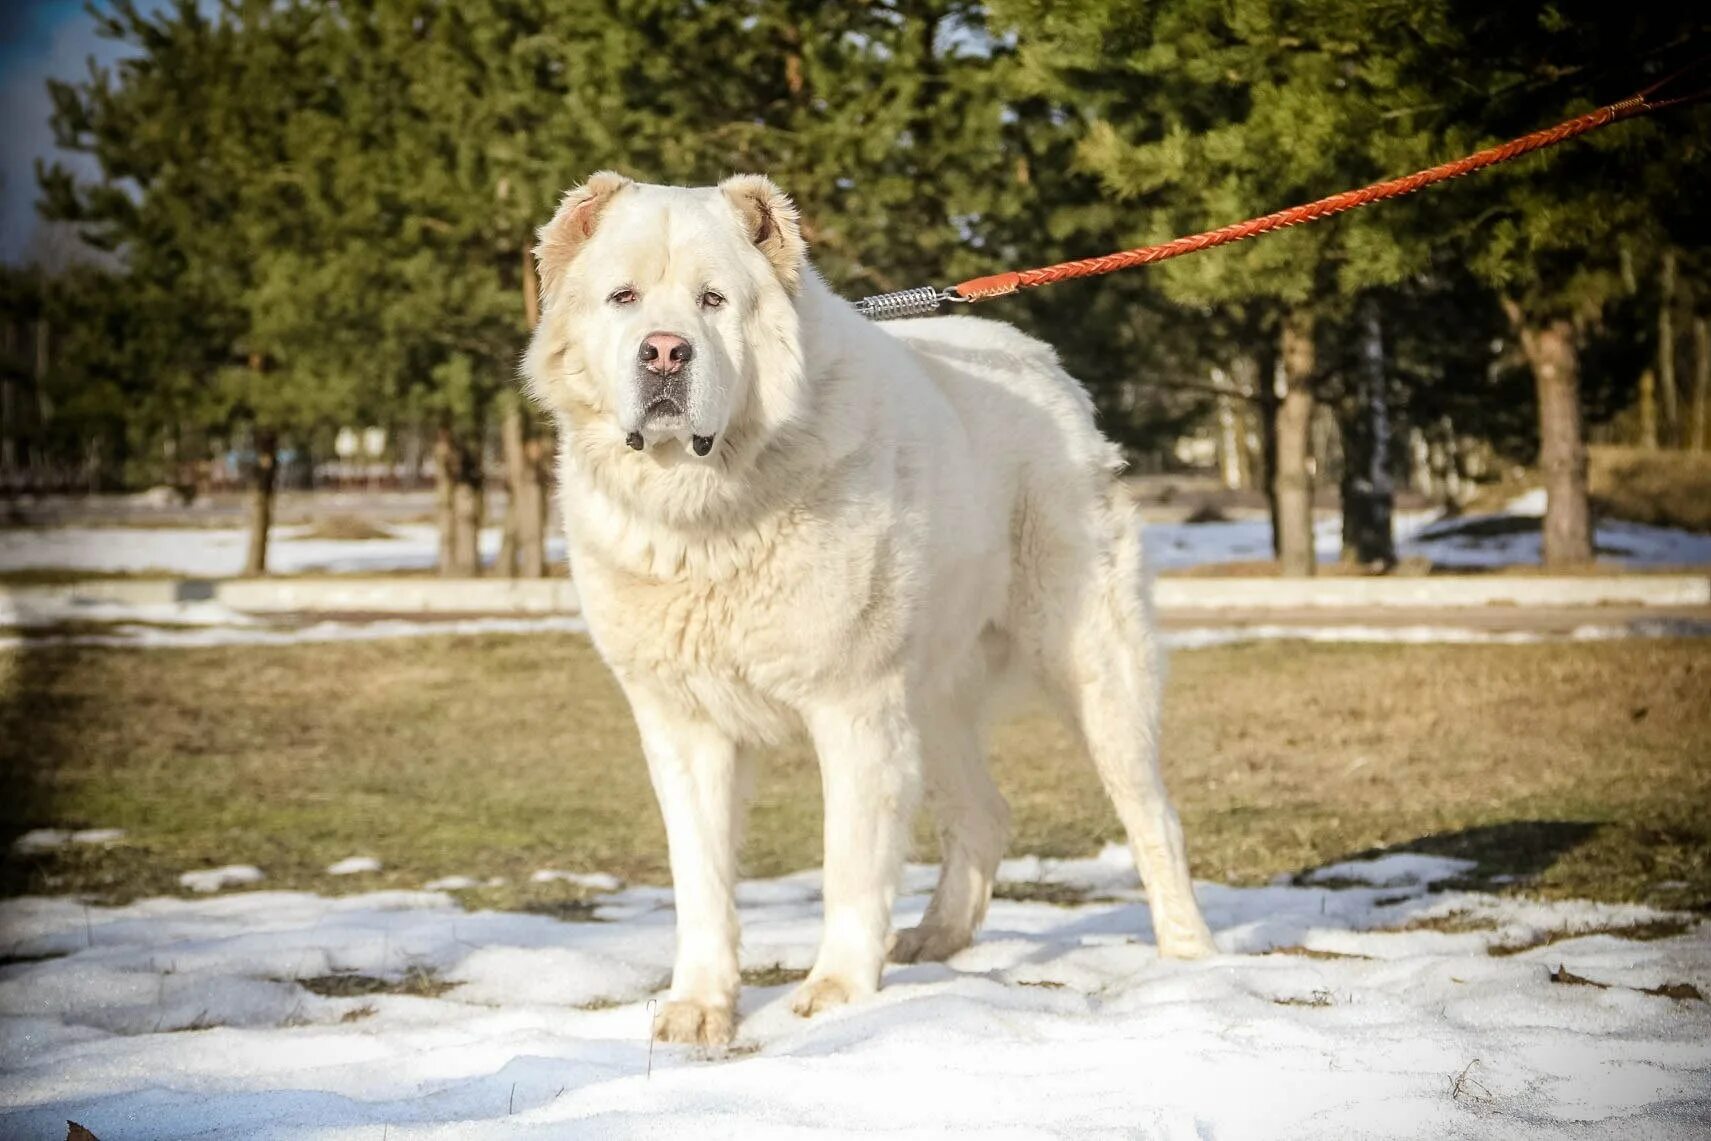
pixel 191 135
pixel 1548 233
pixel 1201 114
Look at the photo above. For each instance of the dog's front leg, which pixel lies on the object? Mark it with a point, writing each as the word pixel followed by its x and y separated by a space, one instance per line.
pixel 694 768
pixel 870 765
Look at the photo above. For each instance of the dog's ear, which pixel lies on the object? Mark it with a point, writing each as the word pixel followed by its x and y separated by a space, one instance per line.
pixel 572 225
pixel 770 218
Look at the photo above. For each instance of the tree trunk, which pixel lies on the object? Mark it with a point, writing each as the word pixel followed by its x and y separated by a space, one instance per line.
pixel 1269 381
pixel 261 501
pixel 511 450
pixel 459 502
pixel 1701 384
pixel 1669 404
pixel 1649 410
pixel 1294 478
pixel 1368 497
pixel 522 552
pixel 523 549
pixel 1229 433
pixel 1244 373
pixel 467 512
pixel 1554 358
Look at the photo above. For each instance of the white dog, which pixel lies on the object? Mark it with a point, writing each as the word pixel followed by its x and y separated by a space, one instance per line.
pixel 784 516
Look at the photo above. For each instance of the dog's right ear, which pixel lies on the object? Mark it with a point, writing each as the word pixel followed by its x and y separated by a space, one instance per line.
pixel 572 225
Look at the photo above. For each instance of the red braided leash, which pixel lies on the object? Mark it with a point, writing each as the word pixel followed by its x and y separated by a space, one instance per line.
pixel 999 284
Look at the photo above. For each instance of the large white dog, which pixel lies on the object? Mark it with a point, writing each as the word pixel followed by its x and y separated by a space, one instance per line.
pixel 783 516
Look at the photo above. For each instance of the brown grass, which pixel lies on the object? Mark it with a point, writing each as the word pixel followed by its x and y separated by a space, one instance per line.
pixel 1666 488
pixel 346 527
pixel 494 756
pixel 417 982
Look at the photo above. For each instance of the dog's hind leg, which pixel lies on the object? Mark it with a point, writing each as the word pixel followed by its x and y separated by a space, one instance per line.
pixel 974 826
pixel 1100 662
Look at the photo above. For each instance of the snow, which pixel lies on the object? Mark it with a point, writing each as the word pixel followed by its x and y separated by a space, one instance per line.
pixel 213 879
pixel 1531 502
pixel 47 839
pixel 180 1018
pixel 1395 870
pixel 593 881
pixel 218 552
pixel 36 611
pixel 1198 637
pixel 204 628
pixel 1635 546
pixel 1423 535
pixel 251 634
pixel 354 865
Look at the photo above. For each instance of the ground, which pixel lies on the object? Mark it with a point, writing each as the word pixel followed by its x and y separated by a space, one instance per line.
pixel 425 899
pixel 334 876
pixel 1578 766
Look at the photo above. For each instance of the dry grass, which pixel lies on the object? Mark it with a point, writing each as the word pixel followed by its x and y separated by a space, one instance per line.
pixel 775 975
pixel 345 527
pixel 1665 488
pixel 417 982
pixel 495 756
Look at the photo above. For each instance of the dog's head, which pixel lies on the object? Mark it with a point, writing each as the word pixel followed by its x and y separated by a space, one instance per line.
pixel 668 325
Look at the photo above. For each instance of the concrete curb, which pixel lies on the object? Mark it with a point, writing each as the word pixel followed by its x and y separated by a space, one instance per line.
pixel 558 596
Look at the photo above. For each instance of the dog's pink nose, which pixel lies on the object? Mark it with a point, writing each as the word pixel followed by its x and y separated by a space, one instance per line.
pixel 665 353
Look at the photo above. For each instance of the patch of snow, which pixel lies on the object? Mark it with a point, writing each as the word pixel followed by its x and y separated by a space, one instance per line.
pixel 354 865
pixel 41 840
pixel 48 839
pixel 1531 502
pixel 213 879
pixel 452 883
pixel 1636 546
pixel 29 612
pixel 1197 637
pixel 1396 870
pixel 219 552
pixel 593 881
pixel 1425 535
pixel 1059 1020
pixel 155 637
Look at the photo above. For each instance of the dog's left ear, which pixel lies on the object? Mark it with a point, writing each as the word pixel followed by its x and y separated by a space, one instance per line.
pixel 773 225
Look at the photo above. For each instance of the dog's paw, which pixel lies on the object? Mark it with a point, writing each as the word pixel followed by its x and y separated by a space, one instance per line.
pixel 695 1024
pixel 1186 942
pixel 926 944
pixel 821 994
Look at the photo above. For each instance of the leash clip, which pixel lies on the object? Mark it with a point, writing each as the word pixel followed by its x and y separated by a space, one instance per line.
pixel 921 301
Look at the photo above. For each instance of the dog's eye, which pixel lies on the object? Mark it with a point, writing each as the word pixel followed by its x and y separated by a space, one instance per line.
pixel 624 296
pixel 711 300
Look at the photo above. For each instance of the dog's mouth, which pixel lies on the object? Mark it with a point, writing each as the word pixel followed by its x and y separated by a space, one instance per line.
pixel 662 408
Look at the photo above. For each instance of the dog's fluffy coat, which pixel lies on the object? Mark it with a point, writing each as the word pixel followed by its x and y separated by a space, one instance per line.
pixel 894 522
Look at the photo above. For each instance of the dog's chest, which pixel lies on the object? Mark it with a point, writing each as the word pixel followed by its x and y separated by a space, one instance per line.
pixel 749 644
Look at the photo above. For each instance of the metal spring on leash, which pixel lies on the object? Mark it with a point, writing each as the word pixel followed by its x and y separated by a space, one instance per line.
pixel 918 302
